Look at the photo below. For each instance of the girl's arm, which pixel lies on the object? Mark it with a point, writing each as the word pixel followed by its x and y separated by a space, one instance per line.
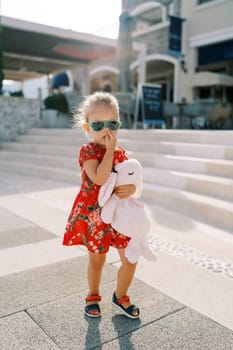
pixel 99 172
pixel 125 191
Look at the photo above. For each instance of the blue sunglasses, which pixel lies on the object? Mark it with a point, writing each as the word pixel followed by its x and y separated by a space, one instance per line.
pixel 100 125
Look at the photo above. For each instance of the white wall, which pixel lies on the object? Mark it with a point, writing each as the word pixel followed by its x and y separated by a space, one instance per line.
pixel 209 17
pixel 10 86
pixel 31 87
pixel 205 24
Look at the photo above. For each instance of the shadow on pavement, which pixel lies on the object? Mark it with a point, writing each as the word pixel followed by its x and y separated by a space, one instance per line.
pixel 125 327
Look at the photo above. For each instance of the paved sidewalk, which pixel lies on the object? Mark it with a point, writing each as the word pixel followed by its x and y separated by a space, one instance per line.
pixel 43 286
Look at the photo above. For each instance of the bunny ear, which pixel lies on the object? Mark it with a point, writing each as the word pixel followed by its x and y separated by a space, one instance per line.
pixel 138 191
pixel 107 189
pixel 119 165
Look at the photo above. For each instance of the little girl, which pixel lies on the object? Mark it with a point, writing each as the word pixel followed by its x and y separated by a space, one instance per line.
pixel 98 115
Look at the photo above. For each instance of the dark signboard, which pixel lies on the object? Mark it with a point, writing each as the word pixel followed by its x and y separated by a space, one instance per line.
pixel 149 106
pixel 175 36
pixel 216 52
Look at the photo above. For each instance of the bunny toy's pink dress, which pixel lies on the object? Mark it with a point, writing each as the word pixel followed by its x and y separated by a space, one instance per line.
pixel 85 225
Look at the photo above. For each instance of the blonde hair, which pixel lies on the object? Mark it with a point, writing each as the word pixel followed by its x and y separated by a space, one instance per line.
pixel 80 116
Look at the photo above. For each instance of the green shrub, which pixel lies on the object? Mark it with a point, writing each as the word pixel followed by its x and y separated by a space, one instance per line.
pixel 18 93
pixel 58 102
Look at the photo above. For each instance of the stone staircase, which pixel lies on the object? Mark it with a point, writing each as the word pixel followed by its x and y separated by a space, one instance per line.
pixel 186 172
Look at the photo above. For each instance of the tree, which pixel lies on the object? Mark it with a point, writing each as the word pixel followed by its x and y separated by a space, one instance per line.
pixel 1 55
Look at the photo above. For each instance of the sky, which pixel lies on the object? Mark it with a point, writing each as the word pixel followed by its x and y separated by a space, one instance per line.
pixel 100 17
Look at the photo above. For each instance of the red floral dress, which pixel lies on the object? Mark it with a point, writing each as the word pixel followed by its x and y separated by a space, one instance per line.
pixel 85 225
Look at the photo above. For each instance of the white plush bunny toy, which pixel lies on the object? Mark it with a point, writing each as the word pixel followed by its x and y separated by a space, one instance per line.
pixel 127 216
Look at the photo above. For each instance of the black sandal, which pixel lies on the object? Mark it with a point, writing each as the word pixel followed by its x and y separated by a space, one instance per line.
pixel 126 311
pixel 91 307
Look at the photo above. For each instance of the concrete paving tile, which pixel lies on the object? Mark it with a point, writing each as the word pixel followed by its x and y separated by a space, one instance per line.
pixel 29 256
pixel 30 208
pixel 40 285
pixel 25 235
pixel 65 323
pixel 43 212
pixel 185 329
pixel 202 290
pixel 11 221
pixel 19 332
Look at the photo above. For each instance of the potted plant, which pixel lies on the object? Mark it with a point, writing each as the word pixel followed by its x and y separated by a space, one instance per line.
pixel 56 113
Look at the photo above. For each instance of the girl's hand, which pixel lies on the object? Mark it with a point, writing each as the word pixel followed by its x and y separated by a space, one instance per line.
pixel 125 191
pixel 110 140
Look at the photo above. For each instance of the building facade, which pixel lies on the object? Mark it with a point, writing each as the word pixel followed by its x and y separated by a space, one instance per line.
pixel 207 47
pixel 202 67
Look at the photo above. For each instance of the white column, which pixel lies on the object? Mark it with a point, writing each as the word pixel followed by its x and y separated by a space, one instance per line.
pixel 142 65
pixel 86 82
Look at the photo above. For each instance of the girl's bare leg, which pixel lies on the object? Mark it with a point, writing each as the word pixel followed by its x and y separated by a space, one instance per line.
pixel 94 273
pixel 124 278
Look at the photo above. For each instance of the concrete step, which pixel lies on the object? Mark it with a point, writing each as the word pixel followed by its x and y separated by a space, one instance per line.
pixel 180 174
pixel 178 149
pixel 46 172
pixel 215 167
pixel 56 199
pixel 61 162
pixel 205 209
pixel 175 229
pixel 70 151
pixel 162 141
pixel 217 187
pixel 74 140
pixel 220 145
pixel 189 136
pixel 55 132
pixel 54 166
pixel 74 136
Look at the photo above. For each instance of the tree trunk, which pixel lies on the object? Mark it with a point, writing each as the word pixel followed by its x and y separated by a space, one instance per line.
pixel 1 56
